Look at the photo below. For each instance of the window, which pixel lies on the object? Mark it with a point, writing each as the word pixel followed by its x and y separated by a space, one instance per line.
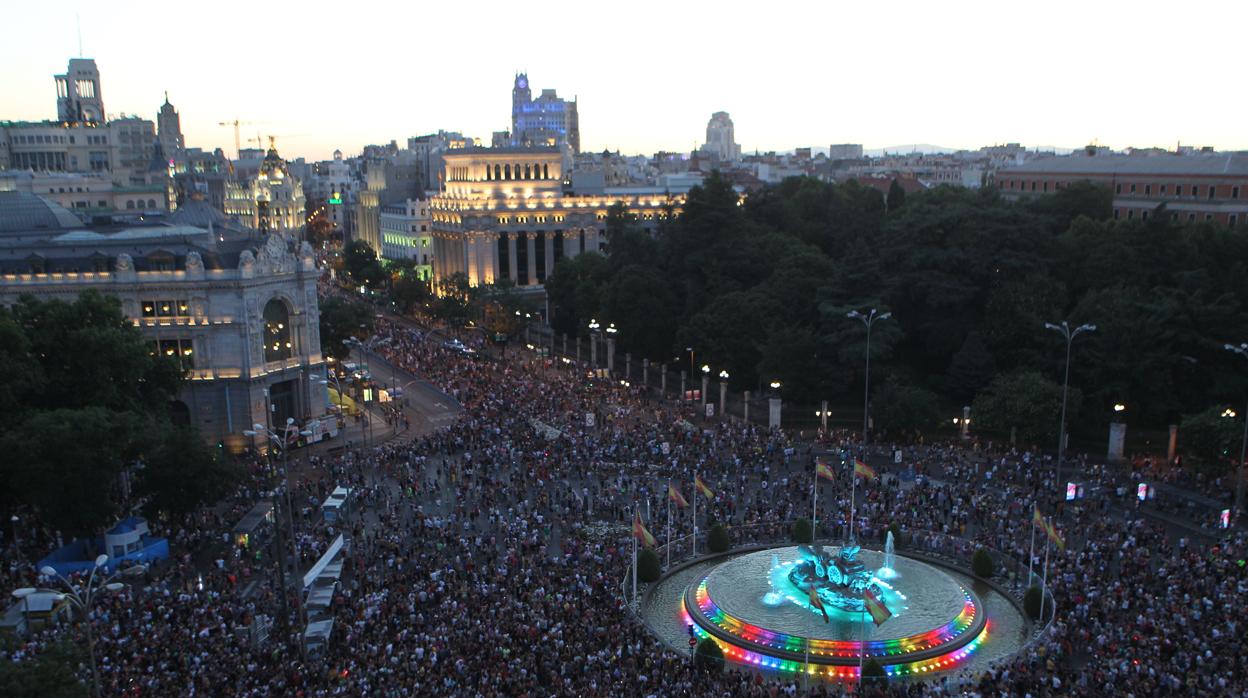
pixel 1232 221
pixel 277 339
pixel 1132 188
pixel 1163 190
pixel 1234 192
pixel 1194 192
pixel 1117 188
pixel 1148 190
pixel 182 350
pixel 1046 186
pixel 1130 213
pixel 1212 190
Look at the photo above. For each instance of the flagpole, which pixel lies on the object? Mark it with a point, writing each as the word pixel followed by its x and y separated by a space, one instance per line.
pixel 693 542
pixel 669 531
pixel 634 599
pixel 814 514
pixel 1044 580
pixel 862 647
pixel 853 490
pixel 1031 555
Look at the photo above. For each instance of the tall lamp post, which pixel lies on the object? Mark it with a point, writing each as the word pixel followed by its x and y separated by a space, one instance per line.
pixel 594 327
pixel 868 319
pixel 84 597
pixel 706 379
pixel 1069 335
pixel 611 333
pixel 723 393
pixel 1242 350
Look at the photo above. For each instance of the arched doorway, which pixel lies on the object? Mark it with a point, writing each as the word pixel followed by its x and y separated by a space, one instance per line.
pixel 277 340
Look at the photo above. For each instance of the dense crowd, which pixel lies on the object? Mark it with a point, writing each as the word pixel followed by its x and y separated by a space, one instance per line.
pixel 486 558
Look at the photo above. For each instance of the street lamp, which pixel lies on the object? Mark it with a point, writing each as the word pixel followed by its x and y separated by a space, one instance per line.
pixel 868 320
pixel 1242 350
pixel 723 393
pixel 706 377
pixel 1069 334
pixel 83 598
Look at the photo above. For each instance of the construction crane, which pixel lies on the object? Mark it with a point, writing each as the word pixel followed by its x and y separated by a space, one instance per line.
pixel 238 144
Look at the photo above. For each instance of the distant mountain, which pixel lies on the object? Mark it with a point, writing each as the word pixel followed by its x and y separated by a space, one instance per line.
pixel 910 148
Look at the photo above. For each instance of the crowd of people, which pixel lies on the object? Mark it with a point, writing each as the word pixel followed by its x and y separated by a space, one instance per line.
pixel 486 557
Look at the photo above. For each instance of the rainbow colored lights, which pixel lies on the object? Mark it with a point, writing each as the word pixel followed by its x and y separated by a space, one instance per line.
pixel 749 644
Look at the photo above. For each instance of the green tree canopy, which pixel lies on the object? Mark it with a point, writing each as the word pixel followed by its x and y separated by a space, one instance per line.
pixel 343 319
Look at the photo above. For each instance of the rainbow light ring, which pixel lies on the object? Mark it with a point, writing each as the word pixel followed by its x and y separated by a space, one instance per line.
pixel 939 649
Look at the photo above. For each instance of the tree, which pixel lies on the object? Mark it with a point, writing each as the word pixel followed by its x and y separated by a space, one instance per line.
pixel 982 564
pixel 648 569
pixel 1210 436
pixel 359 260
pixel 52 673
pixel 574 289
pixel 708 656
pixel 343 319
pixel 904 408
pixel 971 368
pixel 181 473
pixel 873 671
pixel 717 540
pixel 1026 401
pixel 896 197
pixel 407 289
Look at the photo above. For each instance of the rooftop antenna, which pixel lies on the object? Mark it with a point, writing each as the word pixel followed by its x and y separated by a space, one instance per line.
pixel 78 21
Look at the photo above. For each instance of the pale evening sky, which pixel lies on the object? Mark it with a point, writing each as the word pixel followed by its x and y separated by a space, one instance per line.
pixel 648 74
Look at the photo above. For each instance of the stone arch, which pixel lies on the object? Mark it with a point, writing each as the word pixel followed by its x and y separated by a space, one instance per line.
pixel 278 342
pixel 497 171
pixel 527 172
pixel 545 172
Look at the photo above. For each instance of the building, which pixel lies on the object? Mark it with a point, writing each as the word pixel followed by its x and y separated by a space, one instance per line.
pixel 845 151
pixel 546 121
pixel 89 194
pixel 169 133
pixel 1194 188
pixel 407 233
pixel 270 200
pixel 721 138
pixel 238 311
pixel 504 214
pixel 79 98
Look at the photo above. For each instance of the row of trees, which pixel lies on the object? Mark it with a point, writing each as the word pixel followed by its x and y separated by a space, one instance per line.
pixel 761 287
pixel 85 399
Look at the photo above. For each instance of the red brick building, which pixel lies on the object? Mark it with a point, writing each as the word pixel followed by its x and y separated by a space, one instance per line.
pixel 1212 188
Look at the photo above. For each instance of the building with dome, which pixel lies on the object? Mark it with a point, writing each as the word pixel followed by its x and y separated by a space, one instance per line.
pixel 237 307
pixel 271 200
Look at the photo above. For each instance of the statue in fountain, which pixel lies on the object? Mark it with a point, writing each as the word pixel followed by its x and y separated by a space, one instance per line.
pixel 838 580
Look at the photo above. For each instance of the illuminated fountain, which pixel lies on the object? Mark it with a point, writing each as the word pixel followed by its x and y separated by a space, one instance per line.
pixel 887 570
pixel 759 607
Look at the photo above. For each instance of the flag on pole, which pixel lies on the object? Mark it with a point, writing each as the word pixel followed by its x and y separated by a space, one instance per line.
pixel 675 495
pixel 1054 536
pixel 863 470
pixel 701 487
pixel 879 612
pixel 640 532
pixel 822 470
pixel 816 602
pixel 1036 518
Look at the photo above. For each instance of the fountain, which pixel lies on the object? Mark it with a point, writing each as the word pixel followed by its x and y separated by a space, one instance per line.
pixel 887 570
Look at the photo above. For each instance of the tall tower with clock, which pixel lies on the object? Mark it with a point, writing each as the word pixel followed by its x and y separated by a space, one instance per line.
pixel 521 98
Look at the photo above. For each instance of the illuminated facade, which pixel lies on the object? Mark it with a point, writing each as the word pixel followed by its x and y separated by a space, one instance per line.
pixel 272 200
pixel 504 214
pixel 240 313
pixel 406 233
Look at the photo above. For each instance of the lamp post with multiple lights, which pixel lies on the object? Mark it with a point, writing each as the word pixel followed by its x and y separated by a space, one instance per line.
pixel 1069 335
pixel 868 319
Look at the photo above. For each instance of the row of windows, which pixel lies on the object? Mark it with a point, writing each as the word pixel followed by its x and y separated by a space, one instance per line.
pixel 131 204
pixel 52 139
pixel 1177 191
pixel 508 172
pixel 1231 221
pixel 166 309
pixel 1211 190
pixel 181 349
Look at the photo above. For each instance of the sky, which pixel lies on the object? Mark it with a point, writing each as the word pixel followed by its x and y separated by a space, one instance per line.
pixel 648 75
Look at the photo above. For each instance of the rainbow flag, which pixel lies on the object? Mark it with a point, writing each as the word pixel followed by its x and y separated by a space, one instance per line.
pixel 863 470
pixel 879 612
pixel 675 495
pixel 701 487
pixel 816 602
pixel 822 470
pixel 1036 517
pixel 640 532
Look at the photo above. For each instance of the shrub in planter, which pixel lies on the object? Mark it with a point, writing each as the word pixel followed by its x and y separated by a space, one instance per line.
pixel 708 656
pixel 802 532
pixel 982 564
pixel 717 540
pixel 1031 602
pixel 648 566
pixel 872 670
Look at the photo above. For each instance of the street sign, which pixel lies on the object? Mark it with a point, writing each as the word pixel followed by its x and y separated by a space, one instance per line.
pixel 589 419
pixel 693 642
pixel 710 409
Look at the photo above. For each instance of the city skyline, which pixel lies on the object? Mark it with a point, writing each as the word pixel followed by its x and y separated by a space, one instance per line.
pixel 1062 79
